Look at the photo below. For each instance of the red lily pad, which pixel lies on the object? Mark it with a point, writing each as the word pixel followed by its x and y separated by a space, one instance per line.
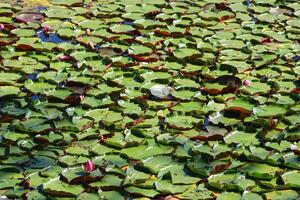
pixel 30 17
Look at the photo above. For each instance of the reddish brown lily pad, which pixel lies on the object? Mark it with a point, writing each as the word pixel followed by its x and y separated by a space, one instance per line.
pixel 30 17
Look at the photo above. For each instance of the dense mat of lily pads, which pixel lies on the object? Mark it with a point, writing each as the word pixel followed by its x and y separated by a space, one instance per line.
pixel 150 99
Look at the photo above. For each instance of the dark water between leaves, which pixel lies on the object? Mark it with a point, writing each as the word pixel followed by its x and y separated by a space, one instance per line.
pixel 151 99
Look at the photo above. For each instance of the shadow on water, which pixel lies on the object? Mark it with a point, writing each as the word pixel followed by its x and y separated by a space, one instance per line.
pixel 51 37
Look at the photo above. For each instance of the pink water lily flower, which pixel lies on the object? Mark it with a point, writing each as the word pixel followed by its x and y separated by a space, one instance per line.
pixel 1 27
pixel 64 57
pixel 102 138
pixel 46 29
pixel 81 97
pixel 89 166
pixel 246 83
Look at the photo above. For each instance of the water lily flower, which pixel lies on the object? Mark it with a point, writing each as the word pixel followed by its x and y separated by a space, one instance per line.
pixel 108 66
pixel 88 31
pixel 89 166
pixel 1 27
pixel 81 97
pixel 295 91
pixel 63 57
pixel 101 139
pixel 266 40
pixel 175 73
pixel 91 45
pixel 161 91
pixel 246 83
pixel 46 29
pixel 293 147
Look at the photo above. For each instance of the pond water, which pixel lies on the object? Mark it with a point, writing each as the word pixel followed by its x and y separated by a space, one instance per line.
pixel 149 99
pixel 28 5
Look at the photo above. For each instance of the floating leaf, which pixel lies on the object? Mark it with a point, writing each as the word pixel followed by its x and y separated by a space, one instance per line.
pixel 291 179
pixel 8 90
pixel 269 110
pixel 145 151
pixel 239 137
pixel 121 28
pixel 166 186
pixel 30 17
pixel 161 99
pixel 56 187
pixel 261 171
pixel 229 195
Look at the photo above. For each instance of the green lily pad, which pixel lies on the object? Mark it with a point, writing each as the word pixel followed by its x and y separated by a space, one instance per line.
pixel 282 195
pixel 121 28
pixel 186 52
pixel 111 195
pixel 205 168
pixel 67 3
pixel 181 122
pixel 197 193
pixel 145 151
pixel 56 187
pixel 80 84
pixel 60 13
pixel 166 186
pixel 8 90
pixel 269 110
pixel 260 171
pixel 291 179
pixel 154 164
pixel 141 191
pixel 229 195
pixel 239 137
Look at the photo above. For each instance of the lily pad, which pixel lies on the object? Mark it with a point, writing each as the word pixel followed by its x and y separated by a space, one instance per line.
pixel 260 171
pixel 56 187
pixel 8 90
pixel 269 110
pixel 291 179
pixel 149 99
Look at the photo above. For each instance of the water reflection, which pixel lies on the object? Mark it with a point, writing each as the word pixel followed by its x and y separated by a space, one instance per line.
pixel 51 37
pixel 29 5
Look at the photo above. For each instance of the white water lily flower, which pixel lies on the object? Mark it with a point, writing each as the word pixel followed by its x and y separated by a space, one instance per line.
pixel 293 147
pixel 161 91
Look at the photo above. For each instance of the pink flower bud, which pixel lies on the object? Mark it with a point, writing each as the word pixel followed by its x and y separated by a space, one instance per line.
pixel 246 83
pixel 266 40
pixel 175 73
pixel 46 29
pixel 1 27
pixel 64 57
pixel 88 31
pixel 81 97
pixel 101 139
pixel 89 166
